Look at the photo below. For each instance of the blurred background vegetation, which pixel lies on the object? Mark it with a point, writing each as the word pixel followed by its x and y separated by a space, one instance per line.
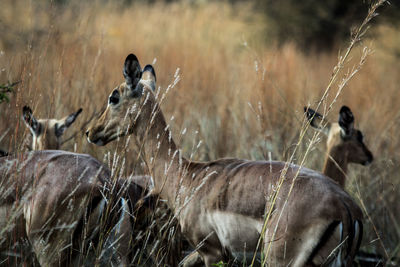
pixel 311 24
pixel 320 25
pixel 246 70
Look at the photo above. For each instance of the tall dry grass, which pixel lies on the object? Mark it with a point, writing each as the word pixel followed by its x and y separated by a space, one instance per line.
pixel 237 96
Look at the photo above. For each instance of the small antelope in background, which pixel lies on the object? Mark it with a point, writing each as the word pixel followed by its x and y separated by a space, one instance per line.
pixel 221 205
pixel 345 143
pixel 46 133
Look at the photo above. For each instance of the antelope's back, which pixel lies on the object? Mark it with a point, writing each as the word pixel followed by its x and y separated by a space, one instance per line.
pixel 49 192
pixel 311 188
pixel 59 171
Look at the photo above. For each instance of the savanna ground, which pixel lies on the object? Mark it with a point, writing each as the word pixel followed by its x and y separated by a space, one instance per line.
pixel 236 95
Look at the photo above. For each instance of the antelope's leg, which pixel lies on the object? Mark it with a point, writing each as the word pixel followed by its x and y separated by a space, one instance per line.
pixel 193 260
pixel 50 226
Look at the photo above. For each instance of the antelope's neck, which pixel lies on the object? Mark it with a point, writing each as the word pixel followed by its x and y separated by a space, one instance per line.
pixel 163 159
pixel 335 166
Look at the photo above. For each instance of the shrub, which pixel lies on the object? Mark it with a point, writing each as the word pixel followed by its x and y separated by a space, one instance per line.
pixel 4 89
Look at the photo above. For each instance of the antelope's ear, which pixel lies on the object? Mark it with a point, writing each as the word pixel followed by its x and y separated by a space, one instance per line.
pixel 149 76
pixel 66 122
pixel 317 121
pixel 149 73
pixel 71 118
pixel 346 121
pixel 30 120
pixel 132 72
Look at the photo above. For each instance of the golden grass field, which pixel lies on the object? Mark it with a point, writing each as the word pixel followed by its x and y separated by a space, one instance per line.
pixel 236 95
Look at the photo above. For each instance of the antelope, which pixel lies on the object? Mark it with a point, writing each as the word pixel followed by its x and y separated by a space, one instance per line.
pixel 47 133
pixel 221 204
pixel 67 208
pixel 44 133
pixel 345 143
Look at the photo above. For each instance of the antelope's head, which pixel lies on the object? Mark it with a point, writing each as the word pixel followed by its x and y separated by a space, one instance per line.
pixel 130 105
pixel 46 133
pixel 343 138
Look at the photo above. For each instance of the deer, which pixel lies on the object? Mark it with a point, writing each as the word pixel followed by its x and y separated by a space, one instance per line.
pixel 47 133
pixel 221 205
pixel 68 209
pixel 344 144
pixel 50 198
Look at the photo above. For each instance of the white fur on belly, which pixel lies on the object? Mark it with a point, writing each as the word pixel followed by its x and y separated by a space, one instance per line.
pixel 237 233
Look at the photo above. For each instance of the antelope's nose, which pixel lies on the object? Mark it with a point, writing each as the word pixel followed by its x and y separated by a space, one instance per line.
pixel 369 160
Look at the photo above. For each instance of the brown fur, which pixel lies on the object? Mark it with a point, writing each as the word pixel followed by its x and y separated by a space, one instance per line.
pixel 54 200
pixel 230 193
pixel 46 133
pixel 344 145
pixel 43 136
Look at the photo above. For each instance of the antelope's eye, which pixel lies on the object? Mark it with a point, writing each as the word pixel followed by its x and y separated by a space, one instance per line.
pixel 114 97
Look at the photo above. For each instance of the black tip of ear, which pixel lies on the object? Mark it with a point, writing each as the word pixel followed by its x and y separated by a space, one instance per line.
pixel 132 71
pixel 79 111
pixel 26 109
pixel 150 69
pixel 310 113
pixel 345 115
pixel 26 113
pixel 131 57
pixel 345 109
